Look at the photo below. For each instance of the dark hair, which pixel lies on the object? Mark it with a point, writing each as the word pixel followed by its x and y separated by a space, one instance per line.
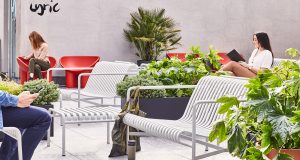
pixel 264 41
pixel 36 39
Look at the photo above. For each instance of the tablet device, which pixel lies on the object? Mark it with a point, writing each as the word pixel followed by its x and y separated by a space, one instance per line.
pixel 235 56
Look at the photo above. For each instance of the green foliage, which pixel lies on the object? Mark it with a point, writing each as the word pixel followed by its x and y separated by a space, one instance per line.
pixel 271 112
pixel 143 80
pixel 174 72
pixel 11 87
pixel 50 93
pixel 152 33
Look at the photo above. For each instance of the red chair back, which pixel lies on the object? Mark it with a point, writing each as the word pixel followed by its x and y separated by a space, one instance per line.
pixel 79 61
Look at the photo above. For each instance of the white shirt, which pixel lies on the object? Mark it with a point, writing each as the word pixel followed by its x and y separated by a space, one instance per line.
pixel 261 59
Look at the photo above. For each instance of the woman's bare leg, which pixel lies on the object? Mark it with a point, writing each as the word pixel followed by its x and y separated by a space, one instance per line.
pixel 238 70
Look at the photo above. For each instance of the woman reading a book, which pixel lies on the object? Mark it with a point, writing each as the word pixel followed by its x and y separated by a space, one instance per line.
pixel 261 58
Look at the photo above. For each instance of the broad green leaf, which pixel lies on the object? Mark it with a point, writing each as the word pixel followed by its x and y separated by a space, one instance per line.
pixel 227 103
pixel 281 126
pixel 266 135
pixel 218 131
pixel 282 156
pixel 236 142
pixel 296 118
pixel 295 129
pixel 253 153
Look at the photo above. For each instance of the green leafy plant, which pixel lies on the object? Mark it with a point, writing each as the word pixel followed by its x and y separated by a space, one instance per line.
pixel 143 80
pixel 152 33
pixel 50 93
pixel 271 114
pixel 173 71
pixel 11 87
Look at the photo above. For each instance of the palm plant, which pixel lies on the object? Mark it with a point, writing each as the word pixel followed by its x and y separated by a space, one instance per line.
pixel 152 33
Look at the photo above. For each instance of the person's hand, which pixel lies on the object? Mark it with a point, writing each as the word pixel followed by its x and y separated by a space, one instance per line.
pixel 244 64
pixel 25 57
pixel 25 99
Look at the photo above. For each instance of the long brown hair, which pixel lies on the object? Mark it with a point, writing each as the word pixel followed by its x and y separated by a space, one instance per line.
pixel 264 41
pixel 36 40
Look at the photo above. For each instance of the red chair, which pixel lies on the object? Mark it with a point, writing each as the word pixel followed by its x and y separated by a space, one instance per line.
pixel 24 69
pixel 225 58
pixel 77 62
pixel 180 56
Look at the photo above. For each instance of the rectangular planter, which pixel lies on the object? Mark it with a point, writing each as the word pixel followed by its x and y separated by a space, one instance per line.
pixel 163 108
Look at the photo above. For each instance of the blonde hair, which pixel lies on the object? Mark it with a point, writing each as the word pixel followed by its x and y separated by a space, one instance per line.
pixel 36 40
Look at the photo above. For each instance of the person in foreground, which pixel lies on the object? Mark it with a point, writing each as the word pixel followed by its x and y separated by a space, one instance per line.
pixel 32 121
pixel 38 59
pixel 261 58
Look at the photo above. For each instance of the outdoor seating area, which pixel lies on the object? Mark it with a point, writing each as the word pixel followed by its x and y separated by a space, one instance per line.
pixel 144 80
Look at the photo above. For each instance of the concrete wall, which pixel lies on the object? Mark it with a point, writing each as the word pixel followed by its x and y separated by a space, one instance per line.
pixel 95 27
pixel 1 28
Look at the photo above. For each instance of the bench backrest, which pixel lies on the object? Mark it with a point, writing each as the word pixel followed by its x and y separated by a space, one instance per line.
pixel 211 88
pixel 106 84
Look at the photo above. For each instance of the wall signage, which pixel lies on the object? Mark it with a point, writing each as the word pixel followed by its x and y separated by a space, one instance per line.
pixel 40 9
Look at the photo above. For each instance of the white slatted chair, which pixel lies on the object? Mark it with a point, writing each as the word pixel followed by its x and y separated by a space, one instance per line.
pixel 15 133
pixel 101 84
pixel 201 113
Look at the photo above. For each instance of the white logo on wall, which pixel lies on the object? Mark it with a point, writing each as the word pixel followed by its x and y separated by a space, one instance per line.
pixel 40 9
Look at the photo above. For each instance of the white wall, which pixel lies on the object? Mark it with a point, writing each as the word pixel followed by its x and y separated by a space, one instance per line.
pixel 95 27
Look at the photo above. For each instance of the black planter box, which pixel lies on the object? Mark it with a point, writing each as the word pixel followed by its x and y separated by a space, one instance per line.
pixel 171 108
pixel 47 106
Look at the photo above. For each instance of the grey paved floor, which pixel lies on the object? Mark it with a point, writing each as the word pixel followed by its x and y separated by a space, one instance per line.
pixel 88 142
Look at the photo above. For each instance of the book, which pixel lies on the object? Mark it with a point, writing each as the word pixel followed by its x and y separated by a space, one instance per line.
pixel 235 56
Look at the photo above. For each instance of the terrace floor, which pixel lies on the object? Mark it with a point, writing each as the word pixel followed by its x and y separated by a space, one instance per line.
pixel 88 142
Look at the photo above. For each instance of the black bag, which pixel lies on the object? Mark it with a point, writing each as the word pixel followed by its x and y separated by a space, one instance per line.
pixel 119 131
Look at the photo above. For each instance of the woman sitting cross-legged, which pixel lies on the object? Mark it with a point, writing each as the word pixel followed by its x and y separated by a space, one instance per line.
pixel 261 58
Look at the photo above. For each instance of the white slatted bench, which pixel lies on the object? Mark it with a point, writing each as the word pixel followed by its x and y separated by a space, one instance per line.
pixel 105 114
pixel 101 84
pixel 200 114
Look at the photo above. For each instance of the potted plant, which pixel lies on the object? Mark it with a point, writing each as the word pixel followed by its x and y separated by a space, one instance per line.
pixel 151 32
pixel 48 94
pixel 268 123
pixel 168 72
pixel 153 102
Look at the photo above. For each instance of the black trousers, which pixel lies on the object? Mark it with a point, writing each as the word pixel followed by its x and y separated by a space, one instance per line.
pixel 38 65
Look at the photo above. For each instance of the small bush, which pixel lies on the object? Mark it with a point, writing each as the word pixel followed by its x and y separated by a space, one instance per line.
pixel 49 94
pixel 11 87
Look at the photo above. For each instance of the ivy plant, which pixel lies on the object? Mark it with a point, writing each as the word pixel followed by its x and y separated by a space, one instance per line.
pixel 270 117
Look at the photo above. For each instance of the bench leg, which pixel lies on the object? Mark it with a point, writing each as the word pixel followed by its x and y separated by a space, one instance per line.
pixel 48 137
pixel 206 147
pixel 108 133
pixel 63 138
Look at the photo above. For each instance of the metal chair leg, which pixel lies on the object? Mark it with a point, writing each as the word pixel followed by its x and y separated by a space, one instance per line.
pixel 63 138
pixel 108 133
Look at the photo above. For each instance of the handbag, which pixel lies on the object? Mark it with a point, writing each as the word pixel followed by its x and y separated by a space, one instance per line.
pixel 119 132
